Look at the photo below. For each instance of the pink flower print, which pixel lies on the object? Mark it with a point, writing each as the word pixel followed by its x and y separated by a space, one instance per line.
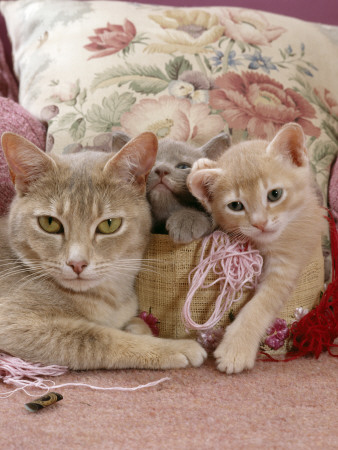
pixel 248 26
pixel 259 104
pixel 328 101
pixel 174 118
pixel 111 39
pixel 277 334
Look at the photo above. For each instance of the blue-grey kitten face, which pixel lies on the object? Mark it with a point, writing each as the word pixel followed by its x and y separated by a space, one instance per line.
pixel 166 183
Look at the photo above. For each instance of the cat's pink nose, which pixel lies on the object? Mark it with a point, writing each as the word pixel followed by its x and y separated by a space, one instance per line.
pixel 77 266
pixel 260 225
pixel 162 171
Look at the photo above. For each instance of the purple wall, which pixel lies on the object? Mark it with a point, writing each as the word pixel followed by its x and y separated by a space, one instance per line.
pixel 324 11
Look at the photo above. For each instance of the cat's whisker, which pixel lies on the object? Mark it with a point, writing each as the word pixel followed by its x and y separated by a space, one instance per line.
pixel 32 277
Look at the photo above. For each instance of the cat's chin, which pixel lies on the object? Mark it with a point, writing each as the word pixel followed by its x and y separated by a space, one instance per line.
pixel 262 237
pixel 79 284
pixel 265 237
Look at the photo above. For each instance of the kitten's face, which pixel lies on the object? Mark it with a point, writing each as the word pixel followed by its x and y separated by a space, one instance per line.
pixel 81 223
pixel 166 184
pixel 169 173
pixel 256 199
pixel 253 191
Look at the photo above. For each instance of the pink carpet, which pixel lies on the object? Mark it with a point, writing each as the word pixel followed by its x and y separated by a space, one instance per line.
pixel 277 405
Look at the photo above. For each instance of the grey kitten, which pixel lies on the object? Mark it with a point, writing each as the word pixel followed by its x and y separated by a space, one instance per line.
pixel 174 209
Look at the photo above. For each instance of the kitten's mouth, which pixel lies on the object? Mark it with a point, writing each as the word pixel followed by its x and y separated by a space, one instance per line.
pixel 161 186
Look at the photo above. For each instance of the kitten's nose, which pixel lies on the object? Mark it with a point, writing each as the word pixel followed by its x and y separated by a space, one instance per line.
pixel 77 266
pixel 260 225
pixel 162 171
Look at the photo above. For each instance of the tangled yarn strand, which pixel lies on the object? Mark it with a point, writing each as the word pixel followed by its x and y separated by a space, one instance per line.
pixel 236 266
pixel 24 375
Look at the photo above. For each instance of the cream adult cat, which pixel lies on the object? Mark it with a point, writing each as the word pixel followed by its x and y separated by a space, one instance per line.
pixel 71 248
pixel 263 192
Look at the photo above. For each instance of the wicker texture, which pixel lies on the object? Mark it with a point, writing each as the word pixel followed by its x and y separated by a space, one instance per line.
pixel 163 287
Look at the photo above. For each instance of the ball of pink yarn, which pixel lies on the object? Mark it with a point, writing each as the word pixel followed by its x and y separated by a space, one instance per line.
pixel 236 266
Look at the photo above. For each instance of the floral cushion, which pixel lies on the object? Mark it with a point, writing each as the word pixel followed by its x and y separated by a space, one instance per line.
pixel 93 67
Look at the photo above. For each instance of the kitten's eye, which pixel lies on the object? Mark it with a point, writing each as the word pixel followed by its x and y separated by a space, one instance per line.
pixel 109 226
pixel 275 195
pixel 50 224
pixel 183 165
pixel 236 206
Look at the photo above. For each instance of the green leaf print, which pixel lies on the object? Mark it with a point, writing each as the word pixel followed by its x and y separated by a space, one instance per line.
pixel 323 155
pixel 78 129
pixel 144 80
pixel 177 66
pixel 103 118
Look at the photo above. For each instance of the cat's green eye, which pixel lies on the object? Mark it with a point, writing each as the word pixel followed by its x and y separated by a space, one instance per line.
pixel 275 195
pixel 236 206
pixel 50 224
pixel 183 165
pixel 109 226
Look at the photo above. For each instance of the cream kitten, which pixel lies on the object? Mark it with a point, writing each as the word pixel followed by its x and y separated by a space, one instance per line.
pixel 263 192
pixel 70 251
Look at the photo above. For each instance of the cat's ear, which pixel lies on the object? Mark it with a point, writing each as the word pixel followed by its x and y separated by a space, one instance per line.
pixel 134 161
pixel 289 142
pixel 214 148
pixel 201 181
pixel 25 160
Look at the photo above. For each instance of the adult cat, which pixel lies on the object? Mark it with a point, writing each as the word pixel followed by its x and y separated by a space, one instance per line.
pixel 174 209
pixel 263 192
pixel 70 251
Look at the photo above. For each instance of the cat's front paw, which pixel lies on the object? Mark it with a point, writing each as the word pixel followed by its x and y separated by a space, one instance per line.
pixel 182 353
pixel 186 225
pixel 235 353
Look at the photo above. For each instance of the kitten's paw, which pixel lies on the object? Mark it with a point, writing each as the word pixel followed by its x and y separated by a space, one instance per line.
pixel 182 353
pixel 186 225
pixel 203 163
pixel 235 354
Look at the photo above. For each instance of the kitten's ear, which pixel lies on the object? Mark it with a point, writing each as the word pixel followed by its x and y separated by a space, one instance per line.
pixel 290 143
pixel 214 148
pixel 135 160
pixel 25 160
pixel 201 181
pixel 119 140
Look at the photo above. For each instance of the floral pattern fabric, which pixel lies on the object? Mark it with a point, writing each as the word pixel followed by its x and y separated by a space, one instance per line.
pixel 89 68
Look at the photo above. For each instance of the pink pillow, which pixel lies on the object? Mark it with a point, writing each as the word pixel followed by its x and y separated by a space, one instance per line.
pixel 16 119
pixel 8 84
pixel 333 191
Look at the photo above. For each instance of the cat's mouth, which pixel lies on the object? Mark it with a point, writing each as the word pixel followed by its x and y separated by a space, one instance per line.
pixel 79 284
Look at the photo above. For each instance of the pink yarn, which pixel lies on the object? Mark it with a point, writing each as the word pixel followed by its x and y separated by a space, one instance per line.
pixel 237 266
pixel 25 375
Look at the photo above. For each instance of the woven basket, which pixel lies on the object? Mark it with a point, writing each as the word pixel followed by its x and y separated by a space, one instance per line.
pixel 163 287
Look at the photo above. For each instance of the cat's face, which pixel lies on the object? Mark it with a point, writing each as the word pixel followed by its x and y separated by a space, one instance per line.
pixel 169 173
pixel 256 188
pixel 81 219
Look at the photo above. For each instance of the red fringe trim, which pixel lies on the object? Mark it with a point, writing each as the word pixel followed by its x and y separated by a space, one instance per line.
pixel 316 331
